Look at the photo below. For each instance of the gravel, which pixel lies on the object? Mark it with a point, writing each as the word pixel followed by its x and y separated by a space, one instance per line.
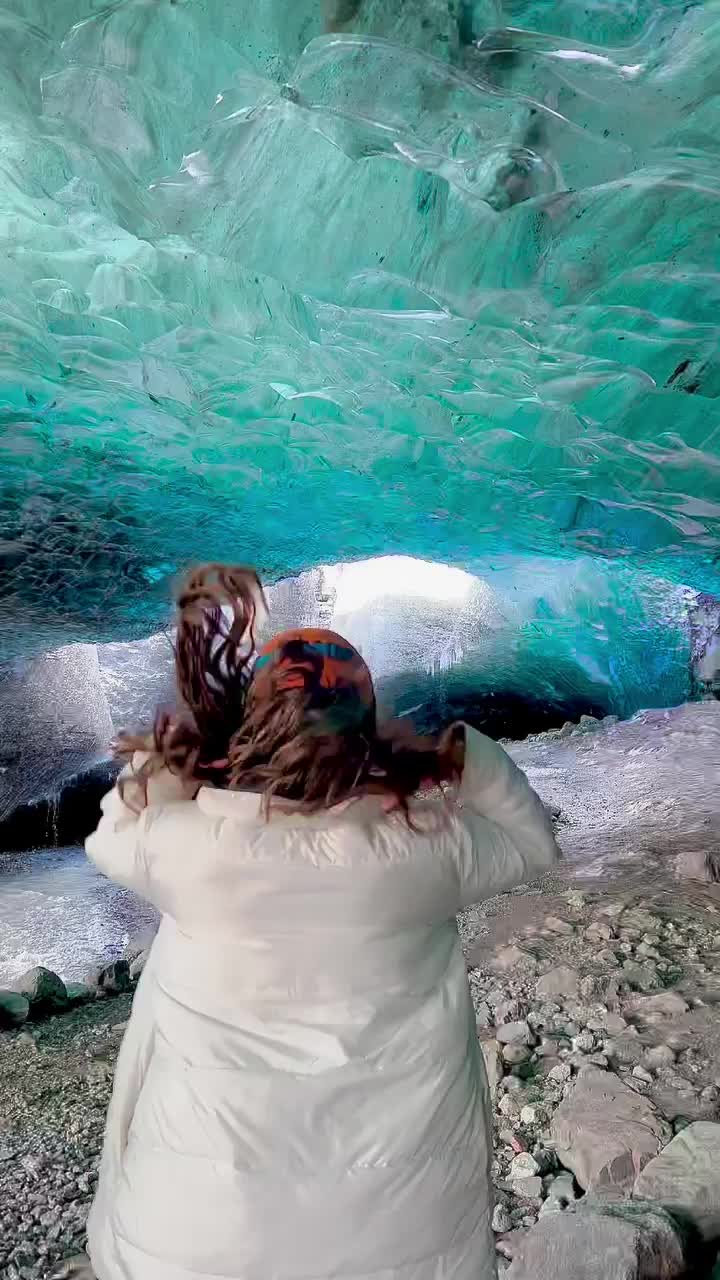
pixel 650 1021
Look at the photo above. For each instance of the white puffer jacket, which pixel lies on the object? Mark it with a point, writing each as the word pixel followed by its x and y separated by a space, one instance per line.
pixel 300 1093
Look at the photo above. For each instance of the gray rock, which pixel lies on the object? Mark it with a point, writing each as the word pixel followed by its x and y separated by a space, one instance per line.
pixel 606 1133
pixel 45 991
pixel 501 1220
pixel 588 1245
pixel 558 982
pixel 698 864
pixel 513 1033
pixel 78 993
pixel 507 1011
pixel 493 1064
pixel 524 1166
pixel 600 931
pixel 14 1009
pixel 527 1188
pixel 666 1004
pixel 627 1048
pixel 561 1194
pixel 77 1268
pixel 482 1009
pixel 561 1073
pixel 515 1054
pixel 533 1114
pixel 685 1179
pixel 640 977
pixel 614 1024
pixel 660 1056
pixel 642 1074
pixel 562 928
pixel 113 980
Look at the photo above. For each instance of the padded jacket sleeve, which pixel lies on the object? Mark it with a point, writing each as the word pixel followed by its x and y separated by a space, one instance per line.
pixel 506 837
pixel 118 847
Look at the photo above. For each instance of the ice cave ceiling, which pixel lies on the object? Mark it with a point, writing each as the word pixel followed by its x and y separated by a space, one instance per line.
pixel 300 281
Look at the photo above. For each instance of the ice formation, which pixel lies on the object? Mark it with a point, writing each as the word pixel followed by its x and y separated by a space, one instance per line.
pixel 309 282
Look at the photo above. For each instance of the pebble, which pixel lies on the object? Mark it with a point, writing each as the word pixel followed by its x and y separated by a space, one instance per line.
pixel 600 931
pixel 533 1115
pixel 524 1166
pixel 561 981
pixel 516 1054
pixel 501 1220
pixel 561 927
pixel 640 1073
pixel 661 1056
pixel 561 1073
pixel 507 1011
pixel 584 1042
pixel 561 1194
pixel 527 1188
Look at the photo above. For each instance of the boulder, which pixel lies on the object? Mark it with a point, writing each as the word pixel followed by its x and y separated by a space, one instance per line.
pixel 112 980
pixel 44 990
pixel 685 1179
pixel 591 1245
pixel 78 993
pixel 14 1009
pixel 605 1133
pixel 558 982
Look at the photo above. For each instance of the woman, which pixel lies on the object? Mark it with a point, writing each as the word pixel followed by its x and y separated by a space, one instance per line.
pixel 300 1094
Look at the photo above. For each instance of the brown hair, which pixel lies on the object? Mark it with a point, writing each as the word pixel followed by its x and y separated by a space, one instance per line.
pixel 277 745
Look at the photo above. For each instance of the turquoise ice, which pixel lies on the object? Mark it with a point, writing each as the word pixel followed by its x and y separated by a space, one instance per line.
pixel 309 282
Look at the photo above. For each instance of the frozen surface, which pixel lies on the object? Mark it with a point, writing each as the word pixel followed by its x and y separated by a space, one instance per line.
pixel 642 794
pixel 306 283
pixel 56 910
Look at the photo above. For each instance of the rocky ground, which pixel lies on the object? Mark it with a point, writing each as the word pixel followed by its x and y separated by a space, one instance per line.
pixel 597 1014
pixel 599 1027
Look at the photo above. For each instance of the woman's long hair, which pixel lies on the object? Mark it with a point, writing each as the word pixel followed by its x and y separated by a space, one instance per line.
pixel 224 735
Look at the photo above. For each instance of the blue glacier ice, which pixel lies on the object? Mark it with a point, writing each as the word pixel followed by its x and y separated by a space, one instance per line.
pixel 300 284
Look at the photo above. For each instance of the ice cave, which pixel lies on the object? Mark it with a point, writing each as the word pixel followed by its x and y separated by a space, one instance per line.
pixel 413 305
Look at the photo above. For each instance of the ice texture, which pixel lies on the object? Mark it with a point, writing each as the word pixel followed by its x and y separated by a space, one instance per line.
pixel 310 282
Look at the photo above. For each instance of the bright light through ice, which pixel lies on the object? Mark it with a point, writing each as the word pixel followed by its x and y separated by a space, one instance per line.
pixel 358 585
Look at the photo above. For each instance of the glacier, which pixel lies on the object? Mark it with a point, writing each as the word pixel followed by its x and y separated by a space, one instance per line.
pixel 310 284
